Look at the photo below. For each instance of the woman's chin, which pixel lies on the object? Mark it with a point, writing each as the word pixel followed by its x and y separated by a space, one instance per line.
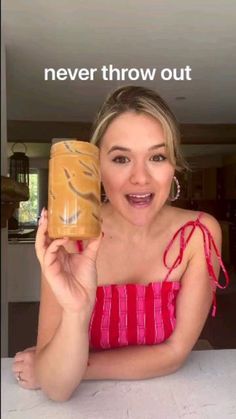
pixel 138 217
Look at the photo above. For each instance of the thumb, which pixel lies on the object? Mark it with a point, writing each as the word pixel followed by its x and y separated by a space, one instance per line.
pixel 32 348
pixel 92 247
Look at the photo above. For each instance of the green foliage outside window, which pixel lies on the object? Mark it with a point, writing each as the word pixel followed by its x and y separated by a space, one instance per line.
pixel 28 210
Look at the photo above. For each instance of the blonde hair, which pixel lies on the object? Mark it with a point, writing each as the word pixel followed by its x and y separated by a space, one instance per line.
pixel 141 100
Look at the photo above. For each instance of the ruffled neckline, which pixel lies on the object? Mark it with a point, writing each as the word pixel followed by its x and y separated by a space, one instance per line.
pixel 155 283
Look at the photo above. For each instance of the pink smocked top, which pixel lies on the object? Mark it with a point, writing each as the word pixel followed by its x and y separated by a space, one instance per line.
pixel 140 314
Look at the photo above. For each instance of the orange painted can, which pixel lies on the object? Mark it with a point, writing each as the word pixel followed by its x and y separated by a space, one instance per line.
pixel 74 189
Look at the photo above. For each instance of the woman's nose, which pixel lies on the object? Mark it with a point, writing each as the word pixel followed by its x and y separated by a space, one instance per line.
pixel 139 174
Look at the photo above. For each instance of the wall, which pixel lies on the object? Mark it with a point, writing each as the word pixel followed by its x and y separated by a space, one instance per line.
pixel 4 296
pixel 207 161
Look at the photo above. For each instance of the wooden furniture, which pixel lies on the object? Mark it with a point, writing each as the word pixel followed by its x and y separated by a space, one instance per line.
pixel 199 184
pixel 225 227
pixel 202 184
pixel 210 183
pixel 229 177
pixel 23 326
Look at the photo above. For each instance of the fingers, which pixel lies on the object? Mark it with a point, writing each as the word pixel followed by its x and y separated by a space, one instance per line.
pixel 28 385
pixel 92 247
pixel 52 250
pixel 26 355
pixel 19 356
pixel 41 236
pixel 25 384
pixel 43 216
pixel 25 377
pixel 17 366
pixel 17 369
pixel 32 348
pixel 23 369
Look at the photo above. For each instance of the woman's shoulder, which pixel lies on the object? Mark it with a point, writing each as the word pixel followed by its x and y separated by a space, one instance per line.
pixel 182 216
pixel 197 233
pixel 208 224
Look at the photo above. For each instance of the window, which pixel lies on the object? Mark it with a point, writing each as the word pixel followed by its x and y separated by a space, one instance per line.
pixel 28 210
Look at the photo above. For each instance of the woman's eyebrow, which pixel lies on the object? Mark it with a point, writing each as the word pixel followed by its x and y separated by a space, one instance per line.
pixel 120 148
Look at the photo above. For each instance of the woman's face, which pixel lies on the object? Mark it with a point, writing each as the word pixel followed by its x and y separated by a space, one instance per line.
pixel 134 168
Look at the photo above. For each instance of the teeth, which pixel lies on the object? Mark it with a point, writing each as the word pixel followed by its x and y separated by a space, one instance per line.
pixel 140 196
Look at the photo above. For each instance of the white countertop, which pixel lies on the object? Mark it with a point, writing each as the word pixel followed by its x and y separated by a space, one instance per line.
pixel 204 388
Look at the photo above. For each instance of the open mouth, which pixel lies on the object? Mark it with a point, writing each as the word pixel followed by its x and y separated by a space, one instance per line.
pixel 140 200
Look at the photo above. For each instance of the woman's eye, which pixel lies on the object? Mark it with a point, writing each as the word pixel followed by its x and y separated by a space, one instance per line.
pixel 158 157
pixel 120 159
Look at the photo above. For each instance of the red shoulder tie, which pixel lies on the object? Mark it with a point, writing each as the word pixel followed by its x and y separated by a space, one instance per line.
pixel 208 243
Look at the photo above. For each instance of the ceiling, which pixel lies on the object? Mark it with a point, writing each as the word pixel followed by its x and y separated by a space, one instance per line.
pixel 126 34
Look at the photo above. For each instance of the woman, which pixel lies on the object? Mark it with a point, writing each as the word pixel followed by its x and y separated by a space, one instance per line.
pixel 130 304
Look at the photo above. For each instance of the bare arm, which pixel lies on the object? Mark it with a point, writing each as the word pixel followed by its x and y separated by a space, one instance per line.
pixel 193 304
pixel 132 363
pixel 60 365
pixel 62 347
pixel 68 293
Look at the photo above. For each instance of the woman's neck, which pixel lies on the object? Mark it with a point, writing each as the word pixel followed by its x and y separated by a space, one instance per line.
pixel 133 233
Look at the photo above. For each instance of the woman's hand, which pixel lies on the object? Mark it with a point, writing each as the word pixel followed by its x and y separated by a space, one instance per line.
pixel 23 368
pixel 72 277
